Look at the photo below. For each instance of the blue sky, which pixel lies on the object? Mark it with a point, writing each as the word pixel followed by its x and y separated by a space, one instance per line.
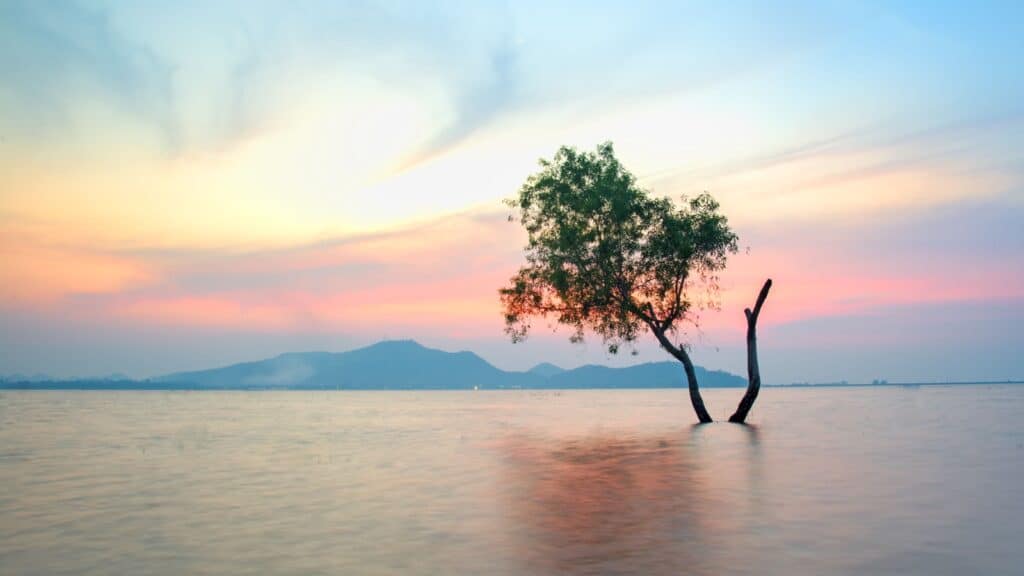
pixel 194 183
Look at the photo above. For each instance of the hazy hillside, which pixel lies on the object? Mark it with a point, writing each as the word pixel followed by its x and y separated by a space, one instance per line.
pixel 406 365
pixel 546 370
pixel 649 375
pixel 393 365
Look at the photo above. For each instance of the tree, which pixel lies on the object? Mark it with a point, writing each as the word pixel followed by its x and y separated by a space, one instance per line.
pixel 753 371
pixel 606 256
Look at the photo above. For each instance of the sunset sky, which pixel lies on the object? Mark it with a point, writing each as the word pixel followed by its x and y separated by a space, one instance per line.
pixel 191 184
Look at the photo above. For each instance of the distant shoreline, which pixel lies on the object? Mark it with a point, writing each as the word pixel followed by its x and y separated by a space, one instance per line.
pixel 408 365
pixel 168 386
pixel 894 384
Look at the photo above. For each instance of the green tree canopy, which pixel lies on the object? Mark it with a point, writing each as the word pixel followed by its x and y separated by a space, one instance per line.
pixel 605 255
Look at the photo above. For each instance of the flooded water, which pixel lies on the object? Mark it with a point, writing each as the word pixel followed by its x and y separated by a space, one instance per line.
pixel 829 481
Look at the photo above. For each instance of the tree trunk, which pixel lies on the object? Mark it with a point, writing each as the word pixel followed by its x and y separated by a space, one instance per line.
pixel 753 371
pixel 691 376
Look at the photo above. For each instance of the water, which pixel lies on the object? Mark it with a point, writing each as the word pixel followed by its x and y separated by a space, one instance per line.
pixel 834 481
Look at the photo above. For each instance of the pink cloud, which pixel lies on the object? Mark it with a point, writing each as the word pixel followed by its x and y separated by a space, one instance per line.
pixel 441 277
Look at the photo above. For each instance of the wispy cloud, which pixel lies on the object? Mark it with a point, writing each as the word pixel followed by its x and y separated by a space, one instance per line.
pixel 474 107
pixel 310 168
pixel 58 59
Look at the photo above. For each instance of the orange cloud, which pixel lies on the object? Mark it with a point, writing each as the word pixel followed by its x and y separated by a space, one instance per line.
pixel 442 277
pixel 35 274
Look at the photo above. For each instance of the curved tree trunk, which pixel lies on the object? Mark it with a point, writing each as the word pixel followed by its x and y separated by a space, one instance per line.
pixel 691 376
pixel 753 371
pixel 695 398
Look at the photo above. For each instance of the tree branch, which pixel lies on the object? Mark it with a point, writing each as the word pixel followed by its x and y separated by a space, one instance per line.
pixel 752 316
pixel 753 370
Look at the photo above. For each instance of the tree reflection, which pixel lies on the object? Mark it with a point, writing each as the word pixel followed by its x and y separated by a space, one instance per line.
pixel 607 504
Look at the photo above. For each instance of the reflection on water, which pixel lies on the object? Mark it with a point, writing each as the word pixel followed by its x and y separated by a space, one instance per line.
pixel 624 504
pixel 582 482
pixel 605 504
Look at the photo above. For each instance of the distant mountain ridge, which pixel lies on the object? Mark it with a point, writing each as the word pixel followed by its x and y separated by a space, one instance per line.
pixel 408 365
pixel 546 370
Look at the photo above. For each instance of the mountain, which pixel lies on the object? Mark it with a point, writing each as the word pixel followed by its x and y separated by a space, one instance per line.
pixel 407 365
pixel 546 370
pixel 391 365
pixel 649 375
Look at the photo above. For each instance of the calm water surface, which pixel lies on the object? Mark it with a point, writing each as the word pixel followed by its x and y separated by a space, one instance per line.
pixel 833 481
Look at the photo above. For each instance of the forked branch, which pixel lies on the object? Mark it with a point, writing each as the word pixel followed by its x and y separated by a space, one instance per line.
pixel 753 371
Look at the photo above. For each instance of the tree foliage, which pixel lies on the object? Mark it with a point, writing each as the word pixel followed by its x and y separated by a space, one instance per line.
pixel 604 255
